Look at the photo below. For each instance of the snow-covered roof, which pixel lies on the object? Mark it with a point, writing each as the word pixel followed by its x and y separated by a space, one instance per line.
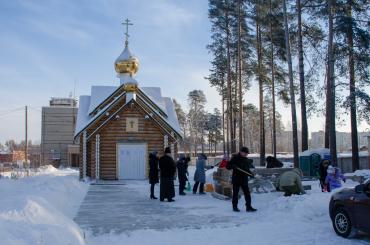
pixel 82 114
pixel 83 117
pixel 100 93
pixel 125 55
pixel 320 151
pixel 171 114
pixel 155 94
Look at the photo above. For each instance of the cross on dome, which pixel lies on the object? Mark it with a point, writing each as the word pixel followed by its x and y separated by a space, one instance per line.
pixel 127 23
pixel 127 65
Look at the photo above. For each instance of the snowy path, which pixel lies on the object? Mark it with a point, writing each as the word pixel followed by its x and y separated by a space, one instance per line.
pixel 123 208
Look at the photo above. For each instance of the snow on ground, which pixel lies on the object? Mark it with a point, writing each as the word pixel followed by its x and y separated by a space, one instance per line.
pixel 279 220
pixel 39 209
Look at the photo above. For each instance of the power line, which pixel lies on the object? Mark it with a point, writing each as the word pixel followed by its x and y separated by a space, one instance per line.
pixel 35 108
pixel 18 109
pixel 11 111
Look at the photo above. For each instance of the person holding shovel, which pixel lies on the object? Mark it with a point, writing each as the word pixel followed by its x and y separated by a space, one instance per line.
pixel 241 166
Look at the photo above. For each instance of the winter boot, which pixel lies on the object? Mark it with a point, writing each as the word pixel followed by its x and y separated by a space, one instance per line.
pixel 251 209
pixel 236 209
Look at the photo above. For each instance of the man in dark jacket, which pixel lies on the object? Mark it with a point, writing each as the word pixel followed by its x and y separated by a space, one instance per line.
pixel 153 173
pixel 167 167
pixel 182 172
pixel 241 166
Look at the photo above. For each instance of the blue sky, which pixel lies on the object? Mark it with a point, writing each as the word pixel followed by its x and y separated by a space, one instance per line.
pixel 50 47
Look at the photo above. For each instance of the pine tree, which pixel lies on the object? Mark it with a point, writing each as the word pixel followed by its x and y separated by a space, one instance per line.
pixel 291 85
pixel 301 77
pixel 352 52
pixel 196 116
pixel 231 52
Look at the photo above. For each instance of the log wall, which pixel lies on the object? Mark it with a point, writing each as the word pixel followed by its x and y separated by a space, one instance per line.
pixel 114 132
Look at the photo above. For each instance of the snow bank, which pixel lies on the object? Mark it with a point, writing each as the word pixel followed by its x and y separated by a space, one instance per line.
pixel 362 172
pixel 39 209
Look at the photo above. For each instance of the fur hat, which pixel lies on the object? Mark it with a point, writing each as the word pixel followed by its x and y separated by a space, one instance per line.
pixel 244 149
pixel 167 150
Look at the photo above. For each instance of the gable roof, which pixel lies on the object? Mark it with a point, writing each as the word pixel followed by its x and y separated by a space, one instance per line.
pixel 162 106
pixel 99 94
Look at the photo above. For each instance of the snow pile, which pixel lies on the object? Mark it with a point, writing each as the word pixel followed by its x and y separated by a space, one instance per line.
pixel 39 209
pixel 288 165
pixel 43 170
pixel 362 172
pixel 48 169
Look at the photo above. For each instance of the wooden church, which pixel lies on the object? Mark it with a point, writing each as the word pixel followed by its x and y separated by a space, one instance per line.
pixel 118 126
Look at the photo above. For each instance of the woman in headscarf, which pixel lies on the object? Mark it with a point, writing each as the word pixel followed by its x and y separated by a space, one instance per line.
pixel 200 174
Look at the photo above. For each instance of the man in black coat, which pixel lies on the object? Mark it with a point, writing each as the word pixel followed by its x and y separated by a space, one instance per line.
pixel 241 166
pixel 182 172
pixel 167 167
pixel 153 173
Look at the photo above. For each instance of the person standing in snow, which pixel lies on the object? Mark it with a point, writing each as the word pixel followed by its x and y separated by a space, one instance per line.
pixel 167 167
pixel 182 172
pixel 291 183
pixel 334 177
pixel 241 166
pixel 200 174
pixel 323 168
pixel 153 172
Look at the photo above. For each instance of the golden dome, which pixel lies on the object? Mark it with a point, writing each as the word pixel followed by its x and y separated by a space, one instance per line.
pixel 126 63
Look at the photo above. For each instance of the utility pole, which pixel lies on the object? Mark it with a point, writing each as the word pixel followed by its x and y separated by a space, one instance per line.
pixel 26 136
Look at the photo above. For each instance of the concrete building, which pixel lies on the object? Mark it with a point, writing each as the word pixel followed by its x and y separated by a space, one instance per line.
pixel 57 133
pixel 343 140
pixel 284 142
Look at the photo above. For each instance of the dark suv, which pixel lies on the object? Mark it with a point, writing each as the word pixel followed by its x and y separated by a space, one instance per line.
pixel 350 210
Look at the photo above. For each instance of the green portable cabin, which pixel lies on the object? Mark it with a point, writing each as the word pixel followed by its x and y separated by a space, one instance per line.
pixel 309 160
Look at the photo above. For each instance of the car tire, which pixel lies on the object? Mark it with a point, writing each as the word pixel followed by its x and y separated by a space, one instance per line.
pixel 342 223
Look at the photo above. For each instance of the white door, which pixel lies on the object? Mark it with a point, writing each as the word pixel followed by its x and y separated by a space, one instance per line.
pixel 132 161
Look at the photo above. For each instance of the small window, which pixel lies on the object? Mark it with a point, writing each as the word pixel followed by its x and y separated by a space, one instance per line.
pixel 55 154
